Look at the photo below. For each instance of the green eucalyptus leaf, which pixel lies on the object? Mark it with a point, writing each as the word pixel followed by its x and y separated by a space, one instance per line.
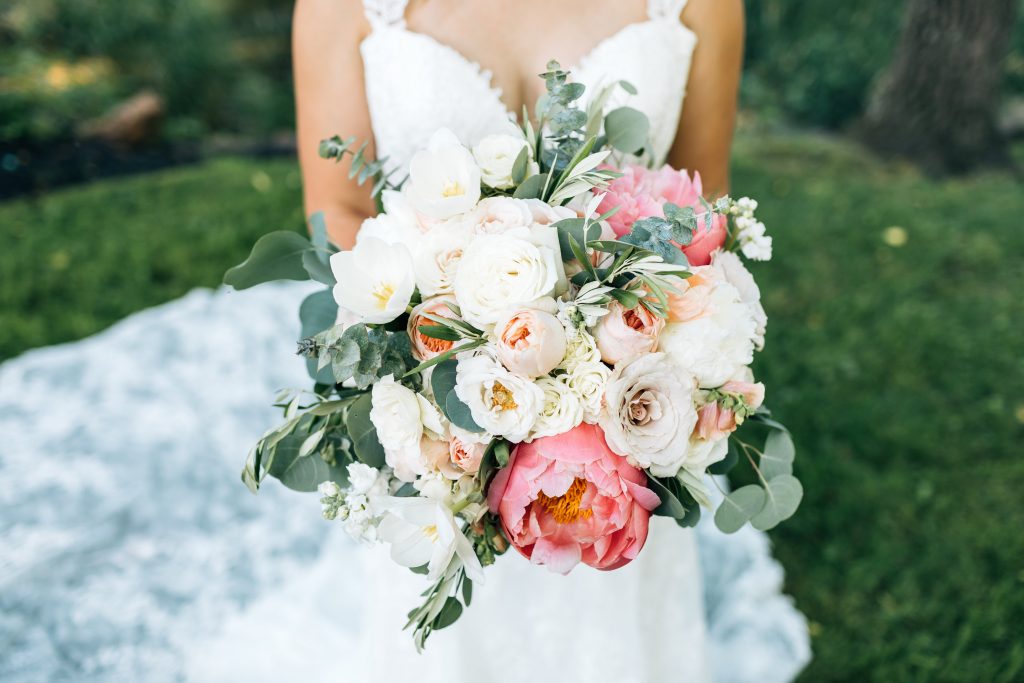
pixel 317 269
pixel 275 256
pixel 449 614
pixel 627 129
pixel 302 472
pixel 668 491
pixel 501 453
pixel 739 507
pixel 467 590
pixel 317 313
pixel 784 494
pixel 318 234
pixel 362 432
pixel 459 413
pixel 778 456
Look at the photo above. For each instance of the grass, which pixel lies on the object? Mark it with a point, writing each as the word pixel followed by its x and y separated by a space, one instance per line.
pixel 895 353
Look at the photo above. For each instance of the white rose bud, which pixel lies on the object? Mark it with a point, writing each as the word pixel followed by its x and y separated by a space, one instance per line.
pixel 496 155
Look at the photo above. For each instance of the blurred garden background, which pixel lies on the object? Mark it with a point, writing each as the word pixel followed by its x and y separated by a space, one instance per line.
pixel 144 146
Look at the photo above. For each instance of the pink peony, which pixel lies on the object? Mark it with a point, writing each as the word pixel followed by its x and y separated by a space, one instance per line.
pixel 641 193
pixel 568 498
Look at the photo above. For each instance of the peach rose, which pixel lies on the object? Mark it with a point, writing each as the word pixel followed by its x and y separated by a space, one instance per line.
pixel 568 498
pixel 464 452
pixel 624 333
pixel 424 347
pixel 529 342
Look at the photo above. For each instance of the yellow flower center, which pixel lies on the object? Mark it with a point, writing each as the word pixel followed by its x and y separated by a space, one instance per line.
pixel 565 508
pixel 383 293
pixel 431 533
pixel 452 189
pixel 502 398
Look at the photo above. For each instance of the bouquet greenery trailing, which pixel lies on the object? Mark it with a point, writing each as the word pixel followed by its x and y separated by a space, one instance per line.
pixel 538 343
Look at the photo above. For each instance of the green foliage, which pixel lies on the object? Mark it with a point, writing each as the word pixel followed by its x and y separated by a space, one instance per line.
pixel 275 256
pixel 442 383
pixel 626 129
pixel 359 353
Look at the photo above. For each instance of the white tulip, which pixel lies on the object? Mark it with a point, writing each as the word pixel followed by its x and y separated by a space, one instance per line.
pixel 422 531
pixel 649 413
pixel 502 403
pixel 501 272
pixel 397 224
pixel 374 280
pixel 444 180
pixel 496 155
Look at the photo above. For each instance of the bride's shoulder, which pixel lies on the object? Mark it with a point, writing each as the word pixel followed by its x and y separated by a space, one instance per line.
pixel 724 17
pixel 319 22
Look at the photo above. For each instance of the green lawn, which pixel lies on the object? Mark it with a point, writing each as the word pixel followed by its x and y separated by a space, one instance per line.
pixel 895 353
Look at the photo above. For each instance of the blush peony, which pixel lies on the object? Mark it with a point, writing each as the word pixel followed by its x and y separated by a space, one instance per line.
pixel 641 193
pixel 568 499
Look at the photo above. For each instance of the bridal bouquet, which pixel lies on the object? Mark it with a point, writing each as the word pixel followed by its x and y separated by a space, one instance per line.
pixel 539 342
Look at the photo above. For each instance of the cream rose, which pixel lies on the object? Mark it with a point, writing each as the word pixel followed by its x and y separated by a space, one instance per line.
pixel 529 342
pixel 588 380
pixel 716 345
pixel 545 214
pixel 562 408
pixel 624 333
pixel 374 280
pixel 503 403
pixel 437 258
pixel 397 224
pixel 402 418
pixel 649 414
pixel 496 155
pixel 580 347
pixel 501 272
pixel 496 215
pixel 443 179
pixel 731 269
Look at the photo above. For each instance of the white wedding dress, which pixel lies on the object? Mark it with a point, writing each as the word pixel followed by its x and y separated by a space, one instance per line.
pixel 130 551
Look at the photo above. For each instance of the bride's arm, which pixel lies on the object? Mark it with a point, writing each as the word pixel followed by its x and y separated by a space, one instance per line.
pixel 330 100
pixel 704 138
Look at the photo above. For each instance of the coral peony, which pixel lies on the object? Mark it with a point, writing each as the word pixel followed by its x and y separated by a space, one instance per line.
pixel 641 193
pixel 568 498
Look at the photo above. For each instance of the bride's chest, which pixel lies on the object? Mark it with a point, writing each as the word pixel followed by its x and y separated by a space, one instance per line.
pixel 418 82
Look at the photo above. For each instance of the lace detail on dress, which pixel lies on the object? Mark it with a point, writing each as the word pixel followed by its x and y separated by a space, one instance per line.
pixel 665 9
pixel 385 12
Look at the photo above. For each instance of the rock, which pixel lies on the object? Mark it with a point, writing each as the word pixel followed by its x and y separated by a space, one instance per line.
pixel 135 121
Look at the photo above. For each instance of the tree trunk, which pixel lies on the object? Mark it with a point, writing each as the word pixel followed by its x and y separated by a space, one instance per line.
pixel 938 100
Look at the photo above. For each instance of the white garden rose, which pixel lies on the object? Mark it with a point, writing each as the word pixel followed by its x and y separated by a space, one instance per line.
pixel 580 347
pixel 717 344
pixel 730 268
pixel 649 413
pixel 589 380
pixel 501 272
pixel 444 180
pixel 374 280
pixel 438 256
pixel 496 215
pixel 401 418
pixel 561 410
pixel 496 155
pixel 397 224
pixel 702 454
pixel 502 403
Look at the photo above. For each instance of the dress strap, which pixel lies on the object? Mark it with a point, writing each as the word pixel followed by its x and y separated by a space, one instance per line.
pixel 386 12
pixel 665 9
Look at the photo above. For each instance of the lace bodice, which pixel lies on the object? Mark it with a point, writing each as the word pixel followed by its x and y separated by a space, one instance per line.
pixel 406 70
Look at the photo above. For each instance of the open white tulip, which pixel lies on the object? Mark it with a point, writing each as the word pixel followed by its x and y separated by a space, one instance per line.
pixel 374 280
pixel 422 531
pixel 444 180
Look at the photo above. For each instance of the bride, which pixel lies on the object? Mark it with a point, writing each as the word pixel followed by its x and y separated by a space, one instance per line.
pixel 132 552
